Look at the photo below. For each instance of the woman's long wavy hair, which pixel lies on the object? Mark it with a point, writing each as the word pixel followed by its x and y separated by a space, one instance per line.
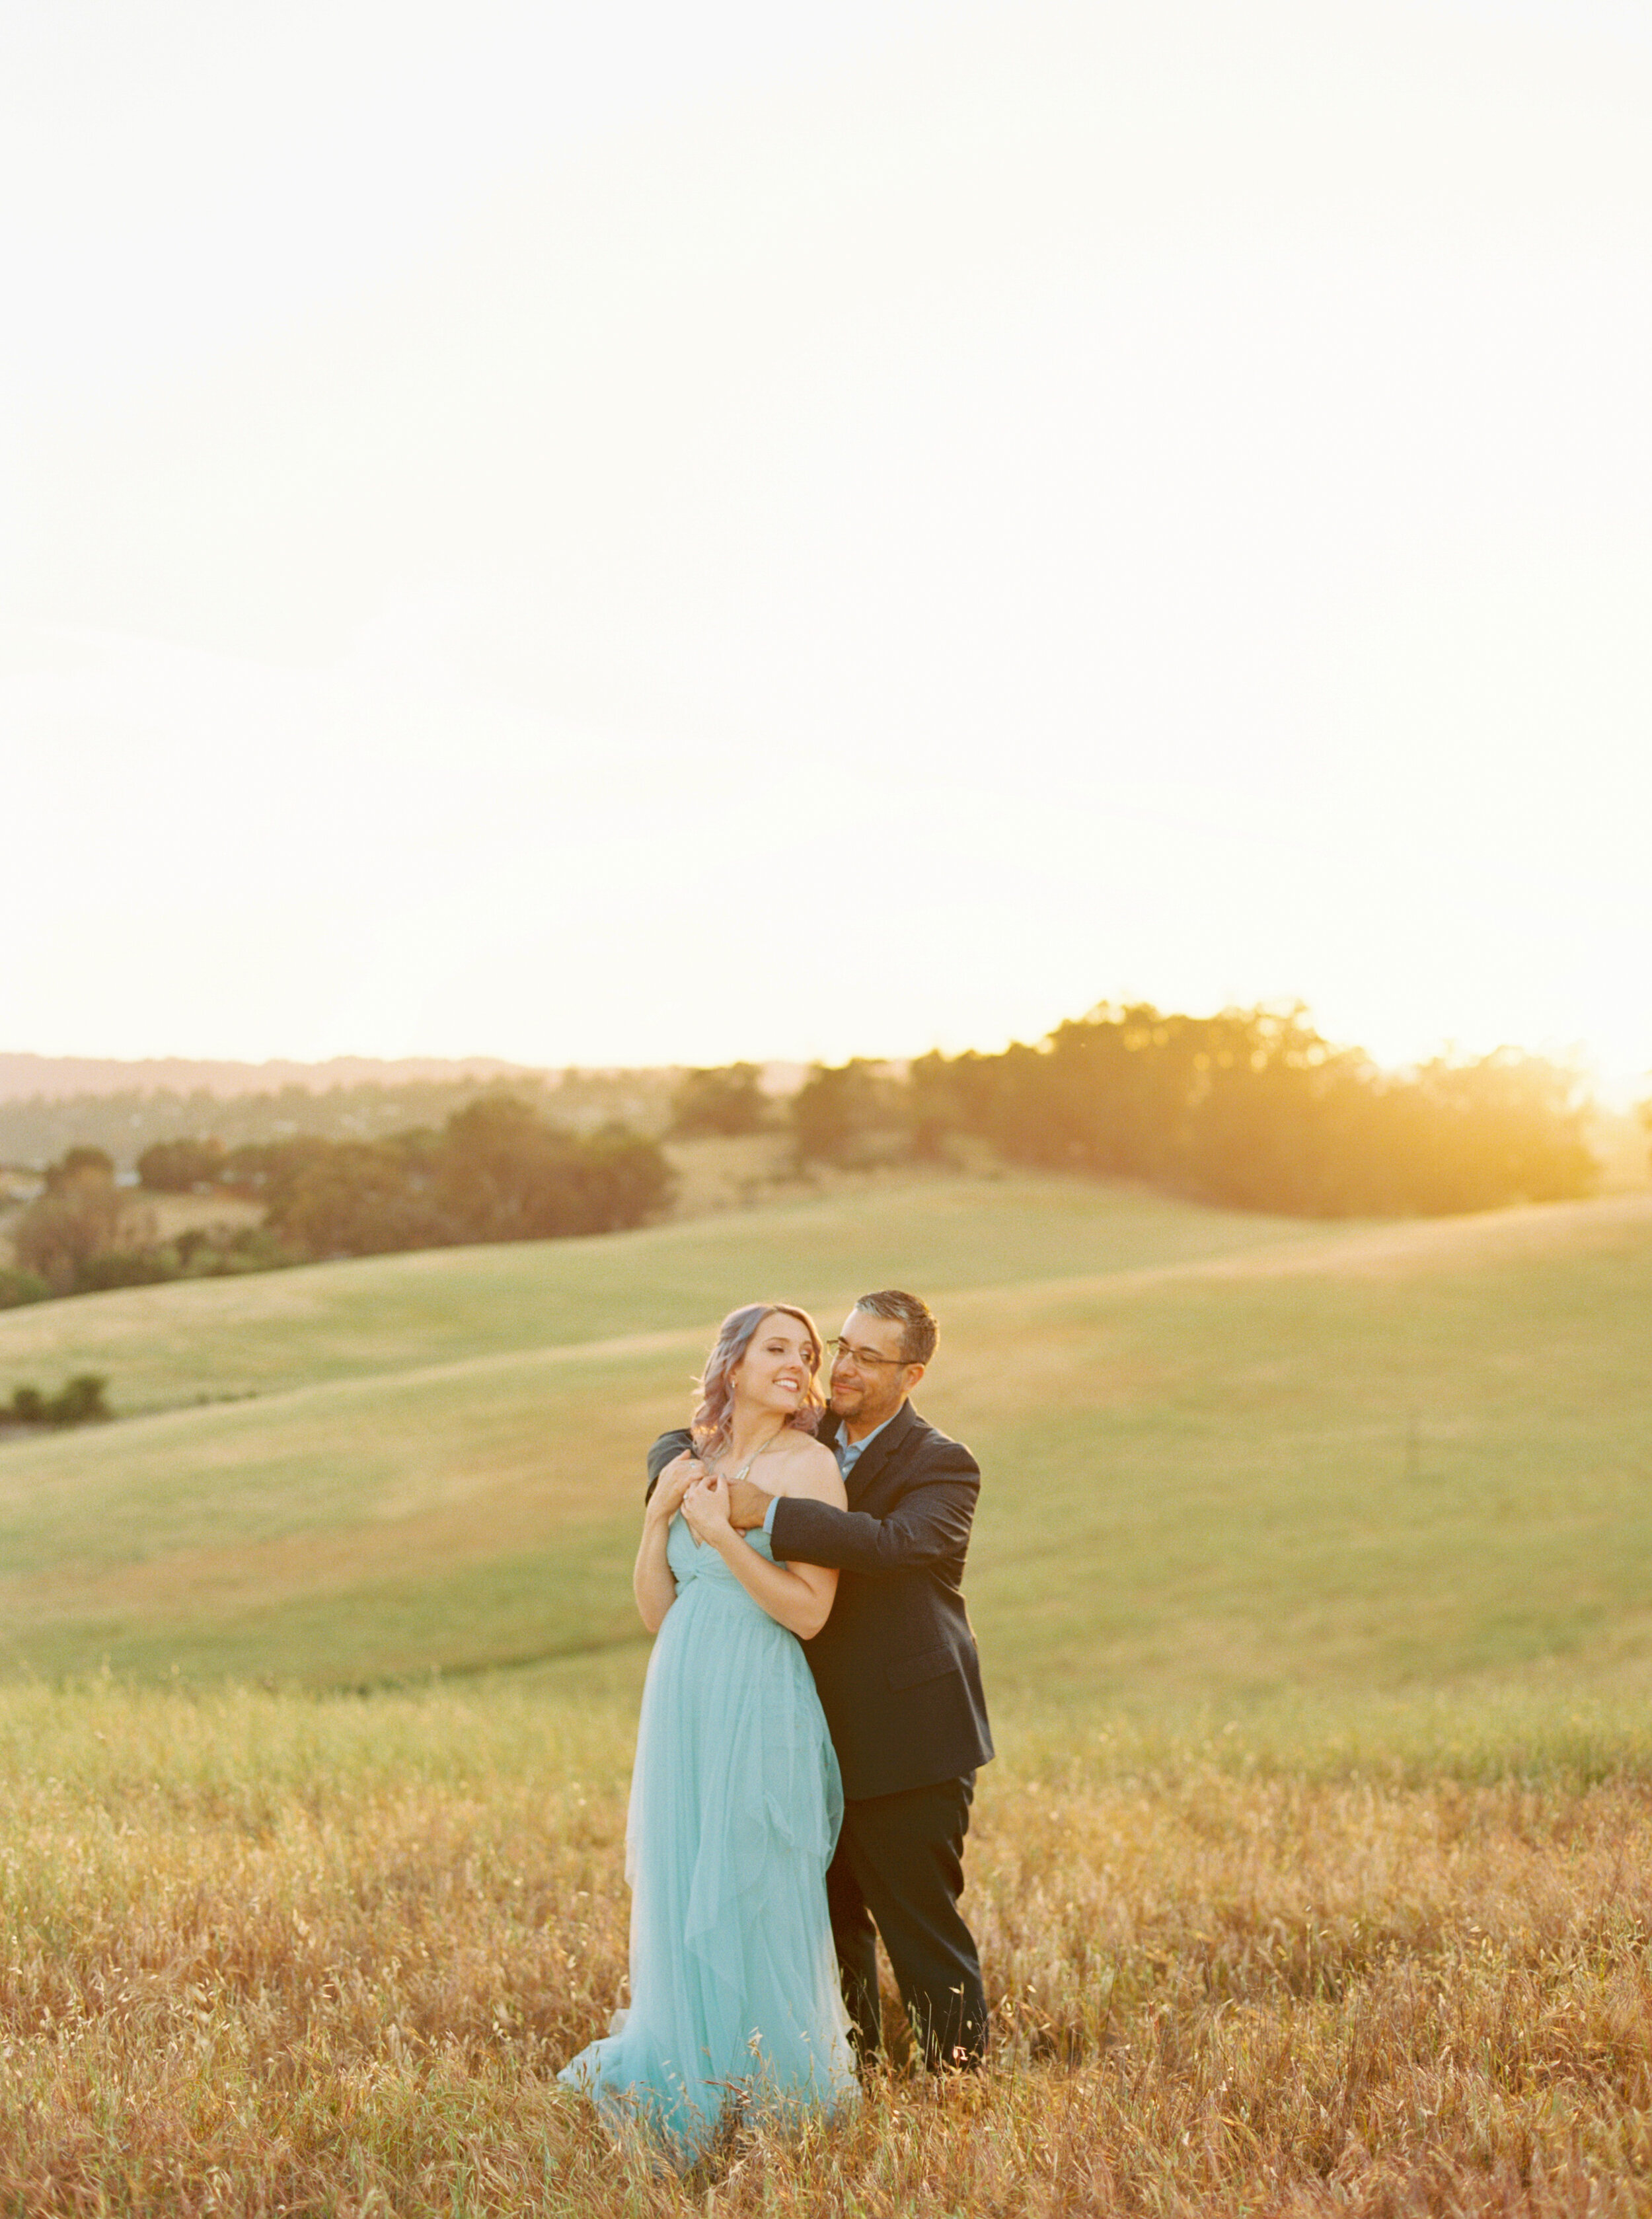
pixel 711 1420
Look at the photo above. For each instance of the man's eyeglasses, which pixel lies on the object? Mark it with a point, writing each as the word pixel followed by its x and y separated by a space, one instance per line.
pixel 867 1358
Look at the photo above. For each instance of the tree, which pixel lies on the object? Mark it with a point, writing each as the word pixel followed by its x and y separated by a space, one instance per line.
pixel 79 1167
pixel 59 1234
pixel 189 1167
pixel 79 1214
pixel 498 1171
pixel 725 1099
pixel 355 1198
pixel 1253 1108
pixel 853 1113
pixel 503 1172
pixel 1507 1128
pixel 258 1169
pixel 624 1181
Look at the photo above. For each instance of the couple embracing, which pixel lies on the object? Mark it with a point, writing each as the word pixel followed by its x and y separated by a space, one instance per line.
pixel 811 1724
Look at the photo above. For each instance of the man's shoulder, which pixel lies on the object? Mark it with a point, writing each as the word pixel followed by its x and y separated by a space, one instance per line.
pixel 925 1447
pixel 666 1447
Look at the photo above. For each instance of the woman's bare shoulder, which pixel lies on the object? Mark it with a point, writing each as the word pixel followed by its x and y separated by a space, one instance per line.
pixel 806 1466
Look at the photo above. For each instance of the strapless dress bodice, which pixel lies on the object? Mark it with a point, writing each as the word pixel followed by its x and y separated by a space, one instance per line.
pixel 697 1564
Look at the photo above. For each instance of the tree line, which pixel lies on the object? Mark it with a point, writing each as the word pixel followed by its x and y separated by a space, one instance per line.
pixel 1250 1109
pixel 39 1129
pixel 1253 1109
pixel 496 1170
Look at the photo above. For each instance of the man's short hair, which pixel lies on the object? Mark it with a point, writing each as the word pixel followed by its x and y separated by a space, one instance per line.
pixel 919 1332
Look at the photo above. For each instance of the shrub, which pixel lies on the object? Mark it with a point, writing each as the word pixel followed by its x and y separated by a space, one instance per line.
pixel 126 1267
pixel 80 1402
pixel 17 1288
pixel 212 1254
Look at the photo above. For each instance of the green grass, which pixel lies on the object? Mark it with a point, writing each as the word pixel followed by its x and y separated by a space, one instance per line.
pixel 1341 1476
pixel 1311 1574
pixel 1229 1463
pixel 263 1334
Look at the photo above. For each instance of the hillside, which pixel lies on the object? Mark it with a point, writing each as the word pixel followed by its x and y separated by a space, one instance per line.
pixel 1224 1456
pixel 163 1346
pixel 47 1106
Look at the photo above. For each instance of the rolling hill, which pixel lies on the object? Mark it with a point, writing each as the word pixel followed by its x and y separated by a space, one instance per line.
pixel 1225 1455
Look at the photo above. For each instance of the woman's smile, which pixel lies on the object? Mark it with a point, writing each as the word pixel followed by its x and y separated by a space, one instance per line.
pixel 779 1363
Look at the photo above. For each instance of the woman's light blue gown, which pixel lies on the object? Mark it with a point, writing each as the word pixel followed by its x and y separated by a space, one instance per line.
pixel 735 1804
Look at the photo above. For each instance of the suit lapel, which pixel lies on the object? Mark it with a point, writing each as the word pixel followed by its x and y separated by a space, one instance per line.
pixel 869 1468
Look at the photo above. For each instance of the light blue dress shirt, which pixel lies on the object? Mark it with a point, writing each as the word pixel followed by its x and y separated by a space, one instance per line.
pixel 849 1454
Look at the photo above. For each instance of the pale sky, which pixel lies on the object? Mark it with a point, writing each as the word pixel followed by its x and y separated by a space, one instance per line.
pixel 635 534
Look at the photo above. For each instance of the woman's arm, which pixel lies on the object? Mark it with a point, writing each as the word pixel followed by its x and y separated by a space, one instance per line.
pixel 652 1580
pixel 798 1596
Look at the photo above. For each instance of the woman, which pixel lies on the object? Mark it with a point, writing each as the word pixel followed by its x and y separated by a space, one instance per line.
pixel 735 1798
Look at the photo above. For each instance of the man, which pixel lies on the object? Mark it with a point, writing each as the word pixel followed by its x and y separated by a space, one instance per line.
pixel 899 1676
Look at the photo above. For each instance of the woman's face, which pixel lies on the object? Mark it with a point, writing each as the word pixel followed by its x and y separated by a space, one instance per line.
pixel 778 1367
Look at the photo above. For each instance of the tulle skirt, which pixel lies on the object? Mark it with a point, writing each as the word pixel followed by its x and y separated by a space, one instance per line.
pixel 734 1808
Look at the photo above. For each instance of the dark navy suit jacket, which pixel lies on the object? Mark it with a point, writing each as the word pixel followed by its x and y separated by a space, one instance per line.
pixel 896 1663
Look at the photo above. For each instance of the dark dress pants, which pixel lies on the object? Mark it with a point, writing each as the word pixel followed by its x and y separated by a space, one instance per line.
pixel 900 1872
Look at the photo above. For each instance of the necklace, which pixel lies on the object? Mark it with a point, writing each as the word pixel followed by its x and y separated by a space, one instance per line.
pixel 730 1478
pixel 734 1476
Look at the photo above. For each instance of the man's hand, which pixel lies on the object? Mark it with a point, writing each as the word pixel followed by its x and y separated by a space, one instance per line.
pixel 748 1505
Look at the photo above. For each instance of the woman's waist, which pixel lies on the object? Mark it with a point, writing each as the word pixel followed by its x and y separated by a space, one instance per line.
pixel 707 1591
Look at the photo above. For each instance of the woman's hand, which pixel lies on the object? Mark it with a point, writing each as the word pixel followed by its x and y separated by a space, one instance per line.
pixel 706 1506
pixel 674 1483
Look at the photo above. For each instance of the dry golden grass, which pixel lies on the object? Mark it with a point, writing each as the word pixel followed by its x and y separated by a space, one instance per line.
pixel 718 1172
pixel 1364 1951
pixel 270 1955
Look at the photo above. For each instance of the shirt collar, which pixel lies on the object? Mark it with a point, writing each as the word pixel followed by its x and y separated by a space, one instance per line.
pixel 849 1453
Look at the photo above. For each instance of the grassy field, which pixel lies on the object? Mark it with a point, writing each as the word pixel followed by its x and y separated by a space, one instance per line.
pixel 434 1460
pixel 1226 1460
pixel 382 1314
pixel 266 1953
pixel 1312 1577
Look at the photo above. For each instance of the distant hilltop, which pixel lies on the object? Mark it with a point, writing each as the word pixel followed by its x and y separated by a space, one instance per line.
pixel 59 1078
pixel 48 1104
